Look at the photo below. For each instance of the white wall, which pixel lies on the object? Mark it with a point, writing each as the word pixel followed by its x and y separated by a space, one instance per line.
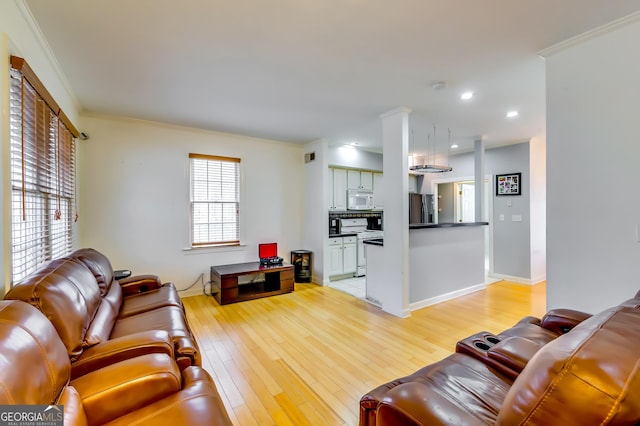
pixel 350 157
pixel 538 203
pixel 316 220
pixel 18 37
pixel 134 186
pixel 593 207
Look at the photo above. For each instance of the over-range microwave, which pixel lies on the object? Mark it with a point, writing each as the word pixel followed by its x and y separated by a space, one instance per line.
pixel 358 199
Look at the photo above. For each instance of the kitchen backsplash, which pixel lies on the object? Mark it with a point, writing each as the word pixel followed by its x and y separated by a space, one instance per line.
pixel 374 219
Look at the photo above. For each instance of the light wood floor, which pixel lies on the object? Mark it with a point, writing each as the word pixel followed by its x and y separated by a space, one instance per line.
pixel 306 358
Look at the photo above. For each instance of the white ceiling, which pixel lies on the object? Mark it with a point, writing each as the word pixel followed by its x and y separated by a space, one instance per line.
pixel 300 70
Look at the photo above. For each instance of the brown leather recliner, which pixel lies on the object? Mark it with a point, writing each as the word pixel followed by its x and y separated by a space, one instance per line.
pixel 587 376
pixel 150 389
pixel 98 324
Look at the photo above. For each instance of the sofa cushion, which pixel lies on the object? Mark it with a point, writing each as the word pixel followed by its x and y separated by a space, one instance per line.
pixel 67 293
pixel 169 318
pixel 43 368
pixel 199 403
pixel 588 376
pixel 457 387
pixel 98 264
pixel 150 300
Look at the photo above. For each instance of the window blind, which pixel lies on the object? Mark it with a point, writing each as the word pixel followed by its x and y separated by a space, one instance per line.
pixel 215 200
pixel 42 163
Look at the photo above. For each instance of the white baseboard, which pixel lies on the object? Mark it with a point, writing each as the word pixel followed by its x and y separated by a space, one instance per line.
pixel 539 279
pixel 195 291
pixel 444 297
pixel 519 280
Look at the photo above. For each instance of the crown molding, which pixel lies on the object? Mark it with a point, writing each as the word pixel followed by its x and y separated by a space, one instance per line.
pixel 589 35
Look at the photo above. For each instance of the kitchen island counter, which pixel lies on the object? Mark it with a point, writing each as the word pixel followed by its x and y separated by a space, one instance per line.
pixel 445 261
pixel 445 225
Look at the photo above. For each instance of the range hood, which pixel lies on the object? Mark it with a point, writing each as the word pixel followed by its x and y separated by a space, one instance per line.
pixel 430 168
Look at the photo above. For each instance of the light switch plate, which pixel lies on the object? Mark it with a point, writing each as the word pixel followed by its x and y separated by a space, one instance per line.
pixel 508 203
pixel 516 218
pixel 502 218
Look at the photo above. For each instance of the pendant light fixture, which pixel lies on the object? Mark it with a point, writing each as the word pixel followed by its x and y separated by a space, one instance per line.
pixel 430 166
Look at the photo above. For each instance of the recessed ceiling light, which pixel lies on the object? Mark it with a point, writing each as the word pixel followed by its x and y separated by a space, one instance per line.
pixel 512 114
pixel 466 96
pixel 454 146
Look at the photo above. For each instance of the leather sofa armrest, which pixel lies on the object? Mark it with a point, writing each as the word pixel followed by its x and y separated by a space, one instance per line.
pixel 562 320
pixel 129 385
pixel 139 284
pixel 514 352
pixel 186 352
pixel 121 348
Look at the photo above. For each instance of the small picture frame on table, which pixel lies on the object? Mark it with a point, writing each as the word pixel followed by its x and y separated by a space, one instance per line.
pixel 508 184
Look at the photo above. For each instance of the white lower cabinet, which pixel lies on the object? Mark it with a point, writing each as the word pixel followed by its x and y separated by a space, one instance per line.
pixel 335 256
pixel 343 258
pixel 349 255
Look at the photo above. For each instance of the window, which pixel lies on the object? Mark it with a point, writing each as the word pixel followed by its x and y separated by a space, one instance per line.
pixel 215 200
pixel 42 163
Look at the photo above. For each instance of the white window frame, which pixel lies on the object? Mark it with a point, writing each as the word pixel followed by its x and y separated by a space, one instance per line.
pixel 231 231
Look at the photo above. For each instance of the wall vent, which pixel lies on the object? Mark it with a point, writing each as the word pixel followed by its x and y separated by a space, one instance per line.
pixel 309 157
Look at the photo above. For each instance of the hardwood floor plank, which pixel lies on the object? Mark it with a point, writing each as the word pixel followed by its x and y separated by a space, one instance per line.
pixel 307 357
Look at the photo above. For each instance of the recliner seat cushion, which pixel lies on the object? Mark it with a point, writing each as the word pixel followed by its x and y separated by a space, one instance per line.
pixel 458 387
pixel 166 295
pixel 169 318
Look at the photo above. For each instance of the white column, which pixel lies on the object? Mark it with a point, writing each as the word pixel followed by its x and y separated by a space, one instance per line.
pixel 395 164
pixel 479 179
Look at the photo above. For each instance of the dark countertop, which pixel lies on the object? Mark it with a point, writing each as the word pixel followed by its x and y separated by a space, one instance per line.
pixel 352 234
pixel 445 225
pixel 374 241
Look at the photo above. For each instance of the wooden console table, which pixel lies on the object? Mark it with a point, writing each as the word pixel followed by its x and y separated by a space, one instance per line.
pixel 270 280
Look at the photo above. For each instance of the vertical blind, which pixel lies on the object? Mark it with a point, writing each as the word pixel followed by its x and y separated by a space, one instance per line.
pixel 42 162
pixel 215 200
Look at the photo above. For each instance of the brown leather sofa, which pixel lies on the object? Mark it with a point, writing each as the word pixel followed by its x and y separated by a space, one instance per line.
pixel 145 389
pixel 102 321
pixel 587 374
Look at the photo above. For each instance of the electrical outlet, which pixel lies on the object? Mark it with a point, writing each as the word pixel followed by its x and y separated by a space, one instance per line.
pixel 509 203
pixel 516 218
pixel 501 218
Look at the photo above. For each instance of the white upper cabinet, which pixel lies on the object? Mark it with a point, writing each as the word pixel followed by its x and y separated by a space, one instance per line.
pixel 357 179
pixel 378 178
pixel 342 180
pixel 339 189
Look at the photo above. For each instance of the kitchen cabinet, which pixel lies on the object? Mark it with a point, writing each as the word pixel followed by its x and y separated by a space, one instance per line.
pixel 342 256
pixel 349 255
pixel 335 256
pixel 378 190
pixel 357 179
pixel 338 189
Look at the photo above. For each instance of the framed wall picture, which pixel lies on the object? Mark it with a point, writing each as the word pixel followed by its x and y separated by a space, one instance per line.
pixel 509 184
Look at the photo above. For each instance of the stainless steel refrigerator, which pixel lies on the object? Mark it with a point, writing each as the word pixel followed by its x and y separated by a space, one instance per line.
pixel 420 208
